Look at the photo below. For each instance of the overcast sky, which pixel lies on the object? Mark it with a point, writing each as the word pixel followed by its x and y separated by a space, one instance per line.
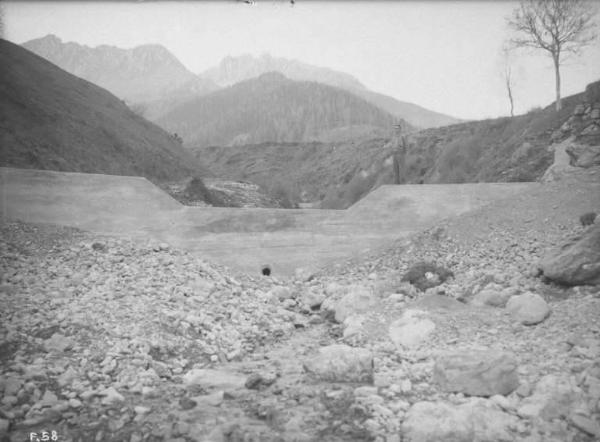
pixel 444 56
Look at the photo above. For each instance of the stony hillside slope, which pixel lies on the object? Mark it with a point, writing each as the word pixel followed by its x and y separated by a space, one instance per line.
pixel 503 149
pixel 270 108
pixel 310 170
pixel 338 173
pixel 222 193
pixel 50 119
pixel 103 339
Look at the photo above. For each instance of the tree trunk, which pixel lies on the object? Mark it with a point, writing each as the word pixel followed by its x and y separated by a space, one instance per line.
pixel 555 58
pixel 510 97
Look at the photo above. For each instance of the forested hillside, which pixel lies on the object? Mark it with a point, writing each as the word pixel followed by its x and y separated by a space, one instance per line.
pixel 271 108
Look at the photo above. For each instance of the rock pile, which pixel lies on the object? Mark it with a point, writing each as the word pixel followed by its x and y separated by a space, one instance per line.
pixel 577 262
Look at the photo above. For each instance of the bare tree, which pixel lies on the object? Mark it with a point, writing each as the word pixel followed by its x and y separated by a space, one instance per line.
pixel 508 83
pixel 555 26
pixel 508 77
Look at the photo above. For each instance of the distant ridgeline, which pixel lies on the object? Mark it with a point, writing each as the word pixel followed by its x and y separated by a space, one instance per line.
pixel 143 74
pixel 154 81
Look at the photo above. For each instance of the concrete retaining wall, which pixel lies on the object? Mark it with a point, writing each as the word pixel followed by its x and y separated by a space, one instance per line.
pixel 243 239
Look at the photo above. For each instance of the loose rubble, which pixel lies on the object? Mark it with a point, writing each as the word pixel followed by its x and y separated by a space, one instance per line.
pixel 341 363
pixel 108 339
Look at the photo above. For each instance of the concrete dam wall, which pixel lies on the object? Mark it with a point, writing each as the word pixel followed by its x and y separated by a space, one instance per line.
pixel 242 239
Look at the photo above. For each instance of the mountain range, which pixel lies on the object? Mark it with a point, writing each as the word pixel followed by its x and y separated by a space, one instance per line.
pixel 51 119
pixel 153 79
pixel 143 74
pixel 232 70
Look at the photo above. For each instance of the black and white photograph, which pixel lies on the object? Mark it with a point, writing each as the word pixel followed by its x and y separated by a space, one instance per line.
pixel 300 221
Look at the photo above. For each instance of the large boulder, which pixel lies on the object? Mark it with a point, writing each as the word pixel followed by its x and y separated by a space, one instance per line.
pixel 58 343
pixel 336 289
pixel 582 155
pixel 561 166
pixel 476 372
pixel 353 325
pixel 411 330
pixel 358 300
pixel 213 379
pixel 554 397
pixel 477 420
pixel 592 92
pixel 528 308
pixel 493 295
pixel 341 363
pixel 281 293
pixel 312 300
pixel 577 262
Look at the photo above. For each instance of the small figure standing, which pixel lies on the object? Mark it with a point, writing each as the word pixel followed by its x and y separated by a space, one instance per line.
pixel 399 154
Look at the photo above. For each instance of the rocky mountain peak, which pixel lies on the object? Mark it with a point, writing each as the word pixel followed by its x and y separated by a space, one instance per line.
pixel 156 52
pixel 140 74
pixel 233 69
pixel 49 43
pixel 50 38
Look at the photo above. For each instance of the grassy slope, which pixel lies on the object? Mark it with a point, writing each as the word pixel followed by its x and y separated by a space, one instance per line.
pixel 502 149
pixel 50 119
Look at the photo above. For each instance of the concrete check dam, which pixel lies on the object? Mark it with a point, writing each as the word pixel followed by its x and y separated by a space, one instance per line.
pixel 243 239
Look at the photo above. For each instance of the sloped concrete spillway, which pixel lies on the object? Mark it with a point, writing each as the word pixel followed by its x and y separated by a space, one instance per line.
pixel 244 239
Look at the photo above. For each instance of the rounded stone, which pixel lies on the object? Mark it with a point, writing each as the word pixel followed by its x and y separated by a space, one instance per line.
pixel 528 308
